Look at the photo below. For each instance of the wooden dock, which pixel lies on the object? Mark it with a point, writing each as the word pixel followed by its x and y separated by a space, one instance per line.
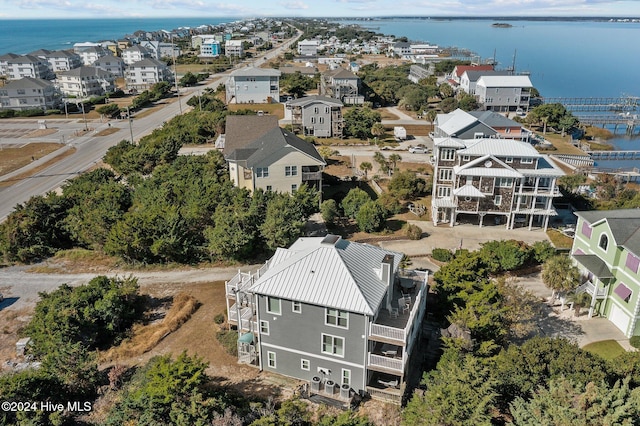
pixel 614 155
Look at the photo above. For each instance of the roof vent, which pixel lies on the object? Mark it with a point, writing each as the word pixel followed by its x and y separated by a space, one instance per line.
pixel 331 240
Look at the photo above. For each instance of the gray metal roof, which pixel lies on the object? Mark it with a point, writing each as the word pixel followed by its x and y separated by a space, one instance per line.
pixel 475 75
pixel 493 119
pixel 468 190
pixel 499 148
pixel 148 62
pixel 28 83
pixel 315 98
pixel 454 121
pixel 448 142
pixel 624 225
pixel 594 264
pixel 87 72
pixel 342 275
pixel 252 71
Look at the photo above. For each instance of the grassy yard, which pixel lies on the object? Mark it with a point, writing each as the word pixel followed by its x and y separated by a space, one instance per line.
pixel 274 109
pixel 559 240
pixel 607 349
pixel 14 158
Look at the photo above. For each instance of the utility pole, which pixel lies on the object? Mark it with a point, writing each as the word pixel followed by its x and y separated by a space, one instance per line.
pixel 130 125
pixel 175 73
pixel 84 117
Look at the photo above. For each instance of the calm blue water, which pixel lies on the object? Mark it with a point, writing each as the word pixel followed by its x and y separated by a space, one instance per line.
pixel 24 36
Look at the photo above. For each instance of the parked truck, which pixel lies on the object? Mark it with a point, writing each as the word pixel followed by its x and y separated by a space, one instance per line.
pixel 399 133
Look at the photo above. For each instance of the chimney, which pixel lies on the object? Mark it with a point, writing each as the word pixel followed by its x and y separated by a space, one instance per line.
pixel 387 277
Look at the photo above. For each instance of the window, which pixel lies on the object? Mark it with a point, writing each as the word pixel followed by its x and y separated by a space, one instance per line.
pixel 315 110
pixel 313 120
pixel 346 377
pixel 21 92
pixel 444 191
pixel 262 172
pixel 305 365
pixel 294 187
pixel 269 188
pixel 526 160
pixel 604 242
pixel 321 120
pixel 586 229
pixel 632 262
pixel 445 174
pixel 264 327
pixel 291 170
pixel 466 158
pixel 509 160
pixel 336 318
pixel 296 307
pixel 497 200
pixel 332 345
pixel 505 182
pixel 273 305
pixel 271 359
pixel 326 110
pixel 447 154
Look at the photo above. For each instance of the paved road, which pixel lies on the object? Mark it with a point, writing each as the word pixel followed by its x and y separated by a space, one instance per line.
pixel 91 148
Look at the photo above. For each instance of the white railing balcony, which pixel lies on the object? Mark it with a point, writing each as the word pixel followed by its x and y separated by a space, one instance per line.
pixel 311 176
pixel 392 333
pixel 590 288
pixel 388 363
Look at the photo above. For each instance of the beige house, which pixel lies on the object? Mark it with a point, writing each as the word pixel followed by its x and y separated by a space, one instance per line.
pixel 262 155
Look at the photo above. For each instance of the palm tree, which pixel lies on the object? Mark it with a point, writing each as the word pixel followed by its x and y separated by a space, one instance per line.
pixel 559 274
pixel 394 158
pixel 380 159
pixel 377 130
pixel 366 167
pixel 431 117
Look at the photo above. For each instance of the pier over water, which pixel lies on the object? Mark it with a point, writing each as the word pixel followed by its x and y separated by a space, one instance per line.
pixel 622 104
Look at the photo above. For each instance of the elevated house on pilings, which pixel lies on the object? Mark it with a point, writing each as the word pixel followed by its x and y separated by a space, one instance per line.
pixel 342 316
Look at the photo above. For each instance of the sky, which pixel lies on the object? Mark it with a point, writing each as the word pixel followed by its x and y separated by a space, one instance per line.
pixel 35 9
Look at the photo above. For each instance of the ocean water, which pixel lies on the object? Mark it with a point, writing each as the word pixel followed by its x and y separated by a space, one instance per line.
pixel 23 36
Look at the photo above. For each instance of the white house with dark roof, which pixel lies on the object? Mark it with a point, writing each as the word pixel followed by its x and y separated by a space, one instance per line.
pixel 262 155
pixel 59 60
pixel 143 74
pixel 112 64
pixel 233 48
pixel 477 125
pixel 250 85
pixel 340 315
pixel 30 93
pixel 469 79
pixel 315 115
pixel 4 63
pixel 85 82
pixel 506 93
pixel 28 66
pixel 606 249
pixel 493 181
pixel 91 54
pixel 135 54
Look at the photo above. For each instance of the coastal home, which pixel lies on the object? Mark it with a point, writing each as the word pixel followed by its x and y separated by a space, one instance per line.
pixel 606 249
pixel 262 155
pixel 85 82
pixel 233 48
pixel 494 181
pixel 59 60
pixel 210 48
pixel 343 85
pixel 112 64
pixel 135 53
pixel 29 93
pixel 319 116
pixel 28 66
pixel 400 48
pixel 339 315
pixel 459 70
pixel 308 47
pixel 507 93
pixel 143 74
pixel 196 40
pixel 250 85
pixel 91 54
pixel 4 63
pixel 159 50
pixel 477 125
pixel 469 79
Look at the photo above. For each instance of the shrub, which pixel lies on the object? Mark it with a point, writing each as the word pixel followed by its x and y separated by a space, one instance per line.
pixel 635 341
pixel 30 112
pixel 219 319
pixel 52 112
pixel 7 113
pixel 543 250
pixel 354 200
pixel 329 210
pixel 413 232
pixel 371 217
pixel 441 255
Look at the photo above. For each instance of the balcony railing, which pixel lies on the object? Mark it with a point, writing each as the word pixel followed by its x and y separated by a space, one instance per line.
pixel 388 363
pixel 590 288
pixel 311 176
pixel 385 331
pixel 545 190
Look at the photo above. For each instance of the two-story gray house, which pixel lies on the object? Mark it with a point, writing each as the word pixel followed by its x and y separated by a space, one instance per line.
pixel 30 93
pixel 507 93
pixel 319 116
pixel 477 125
pixel 251 85
pixel 143 74
pixel 342 84
pixel 339 315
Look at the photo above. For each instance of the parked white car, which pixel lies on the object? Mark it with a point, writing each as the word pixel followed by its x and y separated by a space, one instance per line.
pixel 418 150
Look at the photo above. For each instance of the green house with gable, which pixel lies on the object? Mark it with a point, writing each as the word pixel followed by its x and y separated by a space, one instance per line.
pixel 606 249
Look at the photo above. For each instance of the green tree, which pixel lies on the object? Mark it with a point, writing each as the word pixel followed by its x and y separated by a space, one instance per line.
pixel 406 185
pixel 394 158
pixel 370 217
pixel 355 199
pixel 566 403
pixel 448 104
pixel 188 79
pixel 446 90
pixel 359 121
pixel 543 250
pixel 110 110
pixel 460 391
pixel 467 102
pixel 559 274
pixel 570 183
pixel 329 210
pixel 366 167
pixel 296 84
pixel 503 256
pixel 283 222
pixel 377 130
